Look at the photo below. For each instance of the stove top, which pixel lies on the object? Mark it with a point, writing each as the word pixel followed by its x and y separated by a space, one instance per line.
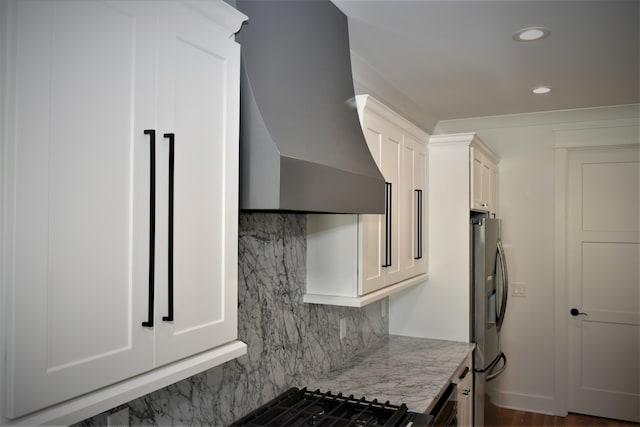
pixel 300 407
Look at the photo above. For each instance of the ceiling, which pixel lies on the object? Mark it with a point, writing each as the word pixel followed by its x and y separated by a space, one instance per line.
pixel 454 59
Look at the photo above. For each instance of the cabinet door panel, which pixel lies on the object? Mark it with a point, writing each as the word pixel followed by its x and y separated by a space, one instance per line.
pixel 476 182
pixel 391 158
pixel 486 187
pixel 373 231
pixel 484 184
pixel 493 189
pixel 198 87
pixel 81 171
pixel 465 402
pixel 379 238
pixel 392 243
pixel 413 208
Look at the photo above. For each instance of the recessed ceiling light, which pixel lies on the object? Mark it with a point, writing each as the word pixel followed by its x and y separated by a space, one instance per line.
pixel 531 34
pixel 540 90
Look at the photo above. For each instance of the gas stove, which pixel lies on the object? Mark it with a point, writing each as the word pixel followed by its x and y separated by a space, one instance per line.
pixel 300 407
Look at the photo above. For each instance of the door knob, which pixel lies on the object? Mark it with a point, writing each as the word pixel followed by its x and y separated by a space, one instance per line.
pixel 576 312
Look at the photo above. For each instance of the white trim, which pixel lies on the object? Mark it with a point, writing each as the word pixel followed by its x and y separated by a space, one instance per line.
pixel 469 139
pixel 368 80
pixel 580 117
pixel 561 323
pixel 527 402
pixel 370 103
pixel 597 137
pixel 465 138
pixel 363 300
pixel 228 19
pixel 88 405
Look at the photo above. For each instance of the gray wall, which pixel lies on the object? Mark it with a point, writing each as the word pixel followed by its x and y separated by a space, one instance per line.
pixel 290 343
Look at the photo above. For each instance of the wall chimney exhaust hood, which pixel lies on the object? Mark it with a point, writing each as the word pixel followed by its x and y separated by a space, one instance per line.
pixel 301 145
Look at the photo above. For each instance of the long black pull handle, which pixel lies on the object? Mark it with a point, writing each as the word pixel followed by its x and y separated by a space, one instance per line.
pixel 388 224
pixel 171 137
pixel 419 223
pixel 464 373
pixel 152 222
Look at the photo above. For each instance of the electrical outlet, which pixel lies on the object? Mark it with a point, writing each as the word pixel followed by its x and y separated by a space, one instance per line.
pixel 383 309
pixel 120 418
pixel 519 290
pixel 343 328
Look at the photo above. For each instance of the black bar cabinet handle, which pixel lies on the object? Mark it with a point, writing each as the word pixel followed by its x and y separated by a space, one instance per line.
pixel 171 137
pixel 464 373
pixel 387 245
pixel 390 224
pixel 152 222
pixel 418 193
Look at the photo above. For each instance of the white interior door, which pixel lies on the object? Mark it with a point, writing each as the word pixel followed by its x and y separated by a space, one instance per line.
pixel 603 257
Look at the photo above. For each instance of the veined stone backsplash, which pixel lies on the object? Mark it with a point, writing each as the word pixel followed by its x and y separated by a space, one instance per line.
pixel 289 343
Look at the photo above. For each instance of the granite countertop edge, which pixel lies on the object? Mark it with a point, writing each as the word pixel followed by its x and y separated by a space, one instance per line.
pixel 399 369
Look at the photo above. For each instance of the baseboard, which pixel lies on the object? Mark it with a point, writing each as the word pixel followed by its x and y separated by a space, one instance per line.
pixel 528 402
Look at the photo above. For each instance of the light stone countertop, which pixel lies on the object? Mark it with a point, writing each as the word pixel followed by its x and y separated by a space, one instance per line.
pixel 413 371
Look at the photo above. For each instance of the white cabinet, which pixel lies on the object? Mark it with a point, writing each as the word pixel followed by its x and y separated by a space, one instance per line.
pixel 356 259
pixel 451 190
pixel 381 233
pixel 484 177
pixel 482 163
pixel 464 380
pixel 103 227
pixel 413 198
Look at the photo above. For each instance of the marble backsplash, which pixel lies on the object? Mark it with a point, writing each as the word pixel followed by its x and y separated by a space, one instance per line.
pixel 289 343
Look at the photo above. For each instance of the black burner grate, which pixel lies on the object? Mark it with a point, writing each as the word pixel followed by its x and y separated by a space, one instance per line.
pixel 300 407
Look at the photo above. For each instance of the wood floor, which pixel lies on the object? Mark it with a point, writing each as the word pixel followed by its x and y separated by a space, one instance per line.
pixel 510 417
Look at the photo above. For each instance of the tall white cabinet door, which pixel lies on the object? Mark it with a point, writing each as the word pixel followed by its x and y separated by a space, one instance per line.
pixel 198 104
pixel 76 262
pixel 480 182
pixel 385 142
pixel 493 189
pixel 372 226
pixel 486 186
pixel 484 182
pixel 413 249
pixel 391 158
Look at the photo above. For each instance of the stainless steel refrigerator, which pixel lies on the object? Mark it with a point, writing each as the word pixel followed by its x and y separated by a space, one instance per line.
pixel 489 291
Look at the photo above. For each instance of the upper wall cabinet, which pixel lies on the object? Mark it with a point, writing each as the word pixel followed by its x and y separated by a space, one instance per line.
pixel 120 200
pixel 357 259
pixel 451 163
pixel 484 177
pixel 483 167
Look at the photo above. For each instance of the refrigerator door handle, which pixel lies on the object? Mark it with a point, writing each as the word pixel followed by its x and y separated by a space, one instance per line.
pixel 490 371
pixel 490 366
pixel 505 286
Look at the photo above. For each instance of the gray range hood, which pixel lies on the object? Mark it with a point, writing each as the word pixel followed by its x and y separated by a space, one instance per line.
pixel 301 144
